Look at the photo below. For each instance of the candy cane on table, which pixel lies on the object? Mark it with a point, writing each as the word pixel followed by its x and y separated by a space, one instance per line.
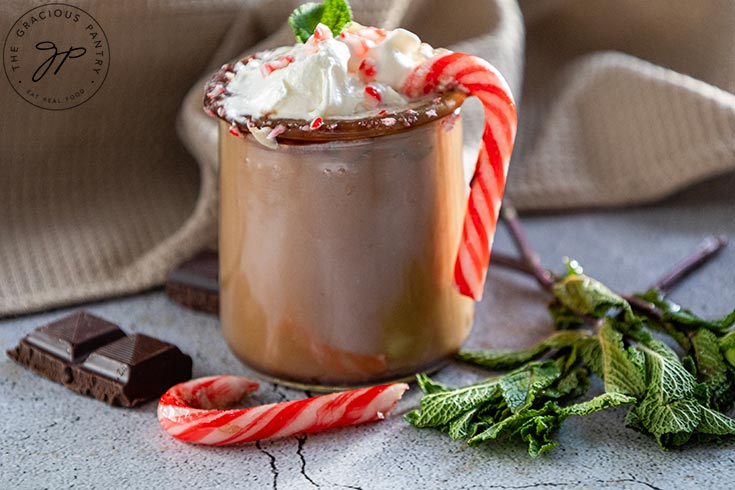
pixel 193 411
pixel 475 76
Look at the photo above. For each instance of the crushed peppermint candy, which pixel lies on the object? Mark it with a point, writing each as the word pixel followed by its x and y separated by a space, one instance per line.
pixel 216 91
pixel 277 131
pixel 448 122
pixel 367 70
pixel 373 93
pixel 278 63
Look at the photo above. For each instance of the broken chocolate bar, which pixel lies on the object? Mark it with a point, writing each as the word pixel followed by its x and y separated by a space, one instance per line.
pixel 94 357
pixel 194 283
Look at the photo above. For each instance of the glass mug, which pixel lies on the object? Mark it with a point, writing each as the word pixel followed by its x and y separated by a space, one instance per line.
pixel 337 257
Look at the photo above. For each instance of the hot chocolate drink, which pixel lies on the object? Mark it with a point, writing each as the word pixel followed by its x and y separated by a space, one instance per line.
pixel 336 258
pixel 348 251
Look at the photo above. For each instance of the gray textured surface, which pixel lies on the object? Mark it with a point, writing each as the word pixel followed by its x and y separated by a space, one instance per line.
pixel 56 439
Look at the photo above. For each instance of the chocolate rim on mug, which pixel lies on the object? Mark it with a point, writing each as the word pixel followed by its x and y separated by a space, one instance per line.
pixel 291 131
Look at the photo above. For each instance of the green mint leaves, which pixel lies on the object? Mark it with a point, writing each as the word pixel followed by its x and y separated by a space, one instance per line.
pixel 674 399
pixel 501 359
pixel 587 296
pixel 332 13
pixel 623 370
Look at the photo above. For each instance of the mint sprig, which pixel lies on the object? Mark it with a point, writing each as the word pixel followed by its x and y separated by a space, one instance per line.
pixel 335 14
pixel 673 398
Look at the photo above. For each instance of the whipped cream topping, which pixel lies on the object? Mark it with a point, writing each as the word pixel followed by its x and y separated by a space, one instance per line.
pixel 359 72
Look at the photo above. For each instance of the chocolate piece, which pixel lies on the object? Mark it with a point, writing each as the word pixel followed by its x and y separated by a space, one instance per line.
pixel 94 357
pixel 194 283
pixel 73 337
pixel 52 349
pixel 134 369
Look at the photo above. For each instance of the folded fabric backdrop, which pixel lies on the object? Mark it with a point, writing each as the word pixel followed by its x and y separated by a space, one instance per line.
pixel 622 102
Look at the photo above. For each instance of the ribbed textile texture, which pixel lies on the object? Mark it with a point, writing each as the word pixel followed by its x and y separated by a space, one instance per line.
pixel 621 102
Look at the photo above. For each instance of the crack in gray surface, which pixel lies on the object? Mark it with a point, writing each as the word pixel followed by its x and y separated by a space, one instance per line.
pixel 281 396
pixel 571 484
pixel 300 451
pixel 274 469
pixel 301 440
pixel 633 479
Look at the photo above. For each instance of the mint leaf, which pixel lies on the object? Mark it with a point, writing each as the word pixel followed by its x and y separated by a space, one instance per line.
pixel 675 407
pixel 667 379
pixel 727 347
pixel 713 422
pixel 332 13
pixel 508 359
pixel 533 426
pixel 564 318
pixel 537 432
pixel 304 19
pixel 622 370
pixel 671 423
pixel 465 426
pixel 591 354
pixel 572 385
pixel 600 402
pixel 711 367
pixel 463 412
pixel 671 410
pixel 537 426
pixel 520 387
pixel 671 330
pixel 337 13
pixel 439 409
pixel 441 406
pixel 682 317
pixel 686 317
pixel 587 296
pixel 429 386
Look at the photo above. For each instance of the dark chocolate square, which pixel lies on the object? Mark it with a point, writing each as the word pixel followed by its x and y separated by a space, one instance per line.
pixel 125 356
pixel 195 283
pixel 74 337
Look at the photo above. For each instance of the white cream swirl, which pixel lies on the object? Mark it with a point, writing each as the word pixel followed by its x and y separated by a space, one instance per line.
pixel 359 72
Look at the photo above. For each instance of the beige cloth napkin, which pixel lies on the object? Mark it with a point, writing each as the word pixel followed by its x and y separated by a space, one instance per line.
pixel 623 101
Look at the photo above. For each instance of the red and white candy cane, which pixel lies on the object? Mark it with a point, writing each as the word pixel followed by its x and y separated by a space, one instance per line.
pixel 194 411
pixel 477 77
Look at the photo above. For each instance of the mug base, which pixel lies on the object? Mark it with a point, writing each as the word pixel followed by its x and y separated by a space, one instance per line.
pixel 332 387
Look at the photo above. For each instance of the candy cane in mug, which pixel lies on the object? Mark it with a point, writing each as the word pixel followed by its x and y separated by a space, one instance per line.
pixel 475 76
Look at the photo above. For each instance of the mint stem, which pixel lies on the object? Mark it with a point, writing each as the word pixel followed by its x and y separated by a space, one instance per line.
pixel 531 259
pixel 642 306
pixel 707 249
pixel 503 260
pixel 531 264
